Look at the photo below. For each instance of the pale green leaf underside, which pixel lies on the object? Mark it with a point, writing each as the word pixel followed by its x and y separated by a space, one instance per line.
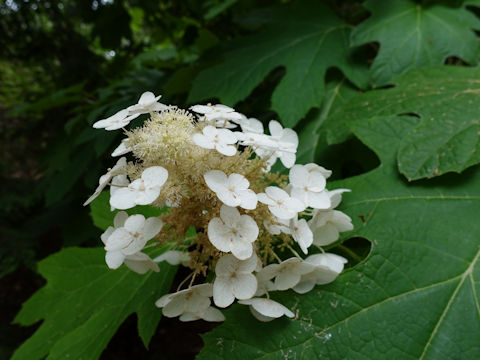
pixel 415 297
pixel 446 98
pixel 309 40
pixel 84 303
pixel 412 35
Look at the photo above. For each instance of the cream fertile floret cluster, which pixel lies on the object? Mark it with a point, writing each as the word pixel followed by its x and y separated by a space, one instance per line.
pixel 209 168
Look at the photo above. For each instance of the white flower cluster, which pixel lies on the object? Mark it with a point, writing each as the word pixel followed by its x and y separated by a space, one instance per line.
pixel 247 217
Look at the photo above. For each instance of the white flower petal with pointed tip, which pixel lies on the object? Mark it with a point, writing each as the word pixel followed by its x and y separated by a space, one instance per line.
pixel 327 268
pixel 327 225
pixel 218 139
pixel 280 203
pixel 174 257
pixel 232 190
pixel 142 191
pixel 301 233
pixel 266 309
pixel 217 112
pixel 234 280
pixel 233 232
pixel 119 168
pixel 193 301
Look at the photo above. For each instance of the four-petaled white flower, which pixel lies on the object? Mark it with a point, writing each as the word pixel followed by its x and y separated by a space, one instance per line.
pixel 147 103
pixel 142 191
pixel 218 139
pixel 280 203
pixel 234 280
pixel 233 232
pixel 232 190
pixel 327 225
pixel 119 168
pixel 327 268
pixel 266 309
pixel 117 121
pixel 309 186
pixel 217 112
pixel 194 301
pixel 287 274
pixel 301 233
pixel 127 238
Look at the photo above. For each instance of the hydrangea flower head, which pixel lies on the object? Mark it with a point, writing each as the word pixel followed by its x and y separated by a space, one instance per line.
pixel 225 216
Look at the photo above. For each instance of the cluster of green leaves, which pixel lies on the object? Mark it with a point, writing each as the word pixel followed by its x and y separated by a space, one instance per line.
pixel 397 80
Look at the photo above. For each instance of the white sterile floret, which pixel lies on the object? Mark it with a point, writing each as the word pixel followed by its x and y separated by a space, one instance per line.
pixel 142 191
pixel 212 314
pixel 287 274
pixel 119 168
pixel 116 121
pixel 128 236
pixel 280 203
pixel 217 112
pixel 194 301
pixel 174 257
pixel 218 139
pixel 287 143
pixel 232 190
pixel 327 225
pixel 234 280
pixel 301 233
pixel 327 268
pixel 309 186
pixel 266 309
pixel 123 148
pixel 147 103
pixel 233 232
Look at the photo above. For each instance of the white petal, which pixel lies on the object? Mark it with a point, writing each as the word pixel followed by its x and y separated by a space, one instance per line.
pixel 140 263
pixel 325 235
pixel 241 250
pixel 123 198
pixel 336 196
pixel 276 130
pixel 217 234
pixel 154 176
pixel 216 180
pixel 248 228
pixel 248 199
pixel 302 234
pixel 203 141
pixel 148 196
pixel 213 315
pixel 244 286
pixel 316 181
pixel 276 193
pixel 104 237
pixel 286 280
pixel 114 259
pixel 120 115
pixel 135 223
pixel 288 159
pixel 227 150
pixel 119 239
pixel 122 149
pixel 146 98
pixel 298 176
pixel 265 199
pixel 319 200
pixel 175 307
pixel 222 292
pixel 229 215
pixel 152 227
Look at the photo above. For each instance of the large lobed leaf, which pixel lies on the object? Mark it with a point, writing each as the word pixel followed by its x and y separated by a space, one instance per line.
pixel 416 296
pixel 414 35
pixel 84 303
pixel 307 40
pixel 447 99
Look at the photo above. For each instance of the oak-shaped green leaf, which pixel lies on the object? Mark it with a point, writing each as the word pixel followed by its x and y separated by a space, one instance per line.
pixel 308 40
pixel 416 296
pixel 413 35
pixel 446 98
pixel 83 304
